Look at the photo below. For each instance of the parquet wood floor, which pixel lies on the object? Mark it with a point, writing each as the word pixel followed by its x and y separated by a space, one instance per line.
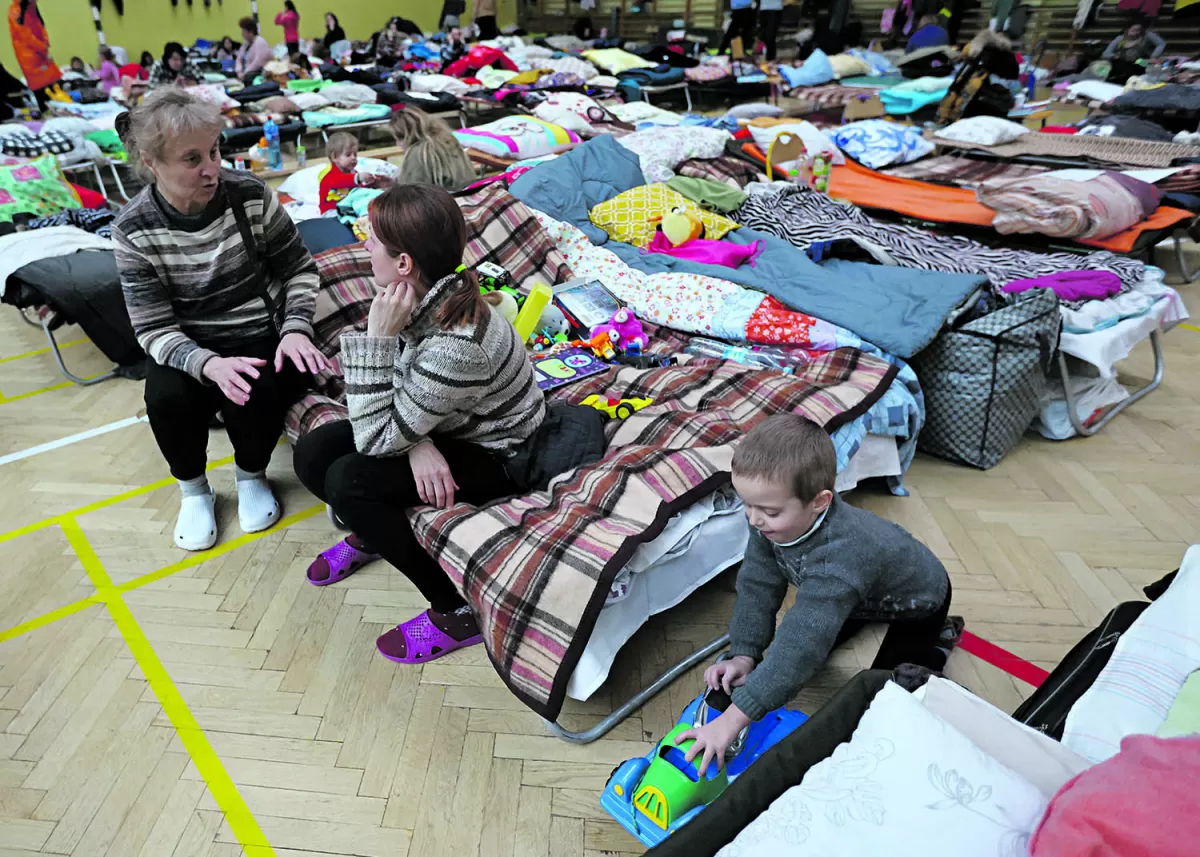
pixel 335 751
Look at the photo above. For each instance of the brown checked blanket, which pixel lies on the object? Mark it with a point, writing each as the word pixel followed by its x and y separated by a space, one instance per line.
pixel 536 569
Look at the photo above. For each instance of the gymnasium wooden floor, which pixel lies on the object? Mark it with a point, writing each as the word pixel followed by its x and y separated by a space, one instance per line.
pixel 154 704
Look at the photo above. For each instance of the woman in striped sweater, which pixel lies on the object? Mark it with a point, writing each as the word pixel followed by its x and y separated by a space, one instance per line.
pixel 220 290
pixel 443 402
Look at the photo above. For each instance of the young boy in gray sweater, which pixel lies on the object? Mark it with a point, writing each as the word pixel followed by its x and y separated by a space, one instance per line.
pixel 849 567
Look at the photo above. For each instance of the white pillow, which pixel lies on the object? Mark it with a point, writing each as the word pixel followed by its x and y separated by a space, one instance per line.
pixel 907 784
pixel 815 140
pixel 1149 665
pixel 983 131
pixel 1032 755
pixel 753 111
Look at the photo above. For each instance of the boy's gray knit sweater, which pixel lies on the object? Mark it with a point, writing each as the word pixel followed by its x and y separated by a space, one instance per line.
pixel 855 564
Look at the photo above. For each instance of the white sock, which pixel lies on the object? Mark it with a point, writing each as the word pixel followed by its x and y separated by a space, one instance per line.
pixel 257 507
pixel 196 527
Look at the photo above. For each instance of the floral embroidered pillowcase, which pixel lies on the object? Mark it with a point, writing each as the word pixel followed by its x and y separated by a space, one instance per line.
pixel 907 783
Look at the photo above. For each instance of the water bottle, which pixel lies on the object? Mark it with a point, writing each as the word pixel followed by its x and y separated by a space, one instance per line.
pixel 781 359
pixel 274 156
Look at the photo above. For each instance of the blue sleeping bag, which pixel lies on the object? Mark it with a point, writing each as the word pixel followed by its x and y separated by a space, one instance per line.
pixel 898 309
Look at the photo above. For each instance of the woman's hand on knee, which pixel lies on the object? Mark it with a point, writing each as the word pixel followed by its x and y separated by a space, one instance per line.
pixel 300 350
pixel 230 374
pixel 435 483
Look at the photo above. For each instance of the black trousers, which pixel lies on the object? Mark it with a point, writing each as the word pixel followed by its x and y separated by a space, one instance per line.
pixel 180 408
pixel 741 23
pixel 768 28
pixel 293 48
pixel 370 495
pixel 487 27
pixel 907 641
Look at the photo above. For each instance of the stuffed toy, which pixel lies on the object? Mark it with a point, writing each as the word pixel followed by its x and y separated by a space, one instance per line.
pixel 625 331
pixel 681 226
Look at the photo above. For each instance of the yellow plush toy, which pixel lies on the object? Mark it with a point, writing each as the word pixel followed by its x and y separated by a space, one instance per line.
pixel 681 226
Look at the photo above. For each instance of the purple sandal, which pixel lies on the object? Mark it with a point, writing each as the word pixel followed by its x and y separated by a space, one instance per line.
pixel 421 640
pixel 340 561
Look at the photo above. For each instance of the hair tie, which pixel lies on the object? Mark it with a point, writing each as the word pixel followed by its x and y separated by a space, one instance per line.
pixel 460 269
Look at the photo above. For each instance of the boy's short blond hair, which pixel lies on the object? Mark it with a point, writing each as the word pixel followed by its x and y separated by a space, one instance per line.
pixel 791 449
pixel 341 143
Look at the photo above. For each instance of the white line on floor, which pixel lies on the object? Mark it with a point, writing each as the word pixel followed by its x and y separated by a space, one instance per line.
pixel 67 441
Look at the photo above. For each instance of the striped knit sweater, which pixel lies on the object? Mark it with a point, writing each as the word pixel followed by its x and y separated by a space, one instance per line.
pixel 473 382
pixel 192 289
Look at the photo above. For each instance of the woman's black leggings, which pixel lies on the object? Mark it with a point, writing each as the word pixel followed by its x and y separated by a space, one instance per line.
pixel 371 495
pixel 741 23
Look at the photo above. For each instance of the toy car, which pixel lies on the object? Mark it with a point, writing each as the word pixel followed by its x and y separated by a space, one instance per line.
pixel 654 795
pixel 618 409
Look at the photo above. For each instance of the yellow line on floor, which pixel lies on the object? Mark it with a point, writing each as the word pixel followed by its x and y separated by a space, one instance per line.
pixel 191 561
pixel 1189 327
pixel 220 784
pixel 4 400
pixel 45 350
pixel 99 504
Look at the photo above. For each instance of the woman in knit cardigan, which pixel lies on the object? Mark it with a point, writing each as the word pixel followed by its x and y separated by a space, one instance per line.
pixel 442 401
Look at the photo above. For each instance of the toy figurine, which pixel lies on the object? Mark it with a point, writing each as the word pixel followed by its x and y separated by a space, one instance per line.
pixel 625 330
pixel 553 323
pixel 602 344
pixel 680 226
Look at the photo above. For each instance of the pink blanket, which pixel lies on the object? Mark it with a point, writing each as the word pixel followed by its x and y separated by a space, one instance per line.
pixel 704 250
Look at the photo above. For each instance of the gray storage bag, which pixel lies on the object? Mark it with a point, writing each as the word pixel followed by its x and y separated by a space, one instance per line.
pixel 983 379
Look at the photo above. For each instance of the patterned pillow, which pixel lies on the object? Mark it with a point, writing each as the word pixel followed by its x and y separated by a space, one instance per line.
pixel 627 217
pixel 31 145
pixel 37 188
pixel 878 143
pixel 518 137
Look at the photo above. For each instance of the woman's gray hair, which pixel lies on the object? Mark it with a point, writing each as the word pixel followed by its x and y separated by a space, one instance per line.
pixel 168 113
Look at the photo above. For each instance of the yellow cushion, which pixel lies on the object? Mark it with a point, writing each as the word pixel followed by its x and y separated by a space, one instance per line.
pixel 628 217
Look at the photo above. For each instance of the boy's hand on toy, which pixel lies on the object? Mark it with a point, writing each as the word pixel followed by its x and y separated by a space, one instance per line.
pixel 729 674
pixel 714 738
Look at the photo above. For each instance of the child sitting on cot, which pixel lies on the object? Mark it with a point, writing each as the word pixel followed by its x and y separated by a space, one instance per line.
pixel 849 567
pixel 339 177
pixel 432 154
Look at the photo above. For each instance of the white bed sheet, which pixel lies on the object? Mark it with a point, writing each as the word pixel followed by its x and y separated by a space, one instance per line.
pixel 695 546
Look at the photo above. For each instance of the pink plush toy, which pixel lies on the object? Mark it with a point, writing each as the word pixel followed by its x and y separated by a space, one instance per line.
pixel 625 331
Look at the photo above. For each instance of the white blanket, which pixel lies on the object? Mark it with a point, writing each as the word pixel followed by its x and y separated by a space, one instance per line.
pixel 22 248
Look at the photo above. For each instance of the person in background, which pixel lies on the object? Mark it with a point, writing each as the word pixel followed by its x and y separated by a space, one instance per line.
pixel 1138 42
pixel 929 34
pixel 31 44
pixel 333 31
pixel 226 50
pixel 849 568
pixel 452 12
pixel 432 154
pixel 253 54
pixel 455 47
pixel 339 176
pixel 174 67
pixel 77 70
pixel 741 23
pixel 107 72
pixel 390 44
pixel 289 19
pixel 770 13
pixel 485 19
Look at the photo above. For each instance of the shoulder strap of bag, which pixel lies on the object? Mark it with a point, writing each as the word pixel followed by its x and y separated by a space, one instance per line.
pixel 243 225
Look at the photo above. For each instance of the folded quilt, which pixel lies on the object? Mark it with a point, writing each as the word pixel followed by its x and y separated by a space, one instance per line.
pixel 536 569
pixel 1096 209
pixel 517 138
pixel 329 116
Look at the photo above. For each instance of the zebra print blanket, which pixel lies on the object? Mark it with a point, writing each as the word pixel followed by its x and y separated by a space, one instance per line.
pixel 804 218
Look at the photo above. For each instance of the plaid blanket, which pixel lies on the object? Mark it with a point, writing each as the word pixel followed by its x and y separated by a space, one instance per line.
pixel 963 172
pixel 536 569
pixel 730 171
pixel 1121 151
pixel 500 229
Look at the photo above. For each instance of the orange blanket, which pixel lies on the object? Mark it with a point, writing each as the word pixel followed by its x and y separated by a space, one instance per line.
pixel 942 204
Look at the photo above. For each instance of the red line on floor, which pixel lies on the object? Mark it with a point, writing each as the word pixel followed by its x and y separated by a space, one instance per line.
pixel 1002 658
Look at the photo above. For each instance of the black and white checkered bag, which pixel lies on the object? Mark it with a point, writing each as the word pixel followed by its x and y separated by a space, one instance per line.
pixel 32 145
pixel 983 379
